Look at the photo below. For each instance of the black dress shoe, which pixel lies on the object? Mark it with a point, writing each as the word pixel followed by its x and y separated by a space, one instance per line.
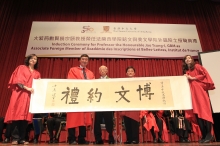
pixel 208 139
pixel 73 143
pixel 56 141
pixel 23 142
pixel 99 142
pixel 83 142
pixel 135 142
pixel 187 140
pixel 201 140
pixel 160 140
pixel 182 140
pixel 7 140
pixel 111 139
pixel 127 142
pixel 35 141
pixel 111 142
pixel 50 141
pixel 155 140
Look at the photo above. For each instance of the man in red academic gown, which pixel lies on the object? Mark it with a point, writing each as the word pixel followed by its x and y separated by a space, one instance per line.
pixel 79 119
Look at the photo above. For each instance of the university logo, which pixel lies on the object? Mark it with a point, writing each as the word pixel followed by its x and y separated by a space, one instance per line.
pixel 106 29
pixel 87 29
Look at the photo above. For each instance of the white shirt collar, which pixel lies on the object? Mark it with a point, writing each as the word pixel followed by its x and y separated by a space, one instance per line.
pixel 103 77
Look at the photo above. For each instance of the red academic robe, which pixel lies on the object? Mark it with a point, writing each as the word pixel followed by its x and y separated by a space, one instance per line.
pixel 151 122
pixel 77 119
pixel 135 115
pixel 18 108
pixel 200 99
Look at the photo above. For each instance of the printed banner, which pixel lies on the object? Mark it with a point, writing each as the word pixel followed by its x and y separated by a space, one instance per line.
pixel 113 40
pixel 124 94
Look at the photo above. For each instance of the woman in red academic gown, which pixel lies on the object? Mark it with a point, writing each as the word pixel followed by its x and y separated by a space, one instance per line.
pixel 131 118
pixel 200 82
pixel 21 85
pixel 79 119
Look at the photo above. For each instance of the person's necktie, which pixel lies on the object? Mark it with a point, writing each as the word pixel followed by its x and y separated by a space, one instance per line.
pixel 84 73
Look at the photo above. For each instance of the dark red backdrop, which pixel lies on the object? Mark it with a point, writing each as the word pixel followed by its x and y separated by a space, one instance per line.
pixel 16 17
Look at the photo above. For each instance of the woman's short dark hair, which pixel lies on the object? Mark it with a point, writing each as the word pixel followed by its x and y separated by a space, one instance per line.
pixel 185 66
pixel 26 61
pixel 84 55
pixel 130 67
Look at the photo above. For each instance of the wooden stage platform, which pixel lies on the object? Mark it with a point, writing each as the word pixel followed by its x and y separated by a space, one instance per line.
pixel 141 144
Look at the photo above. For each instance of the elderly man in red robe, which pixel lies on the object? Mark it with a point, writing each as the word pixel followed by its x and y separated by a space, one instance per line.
pixel 79 119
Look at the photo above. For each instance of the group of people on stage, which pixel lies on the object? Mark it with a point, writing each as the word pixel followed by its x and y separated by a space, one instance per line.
pixel 18 116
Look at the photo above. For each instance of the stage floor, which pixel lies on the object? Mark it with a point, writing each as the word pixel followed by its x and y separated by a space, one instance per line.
pixel 141 144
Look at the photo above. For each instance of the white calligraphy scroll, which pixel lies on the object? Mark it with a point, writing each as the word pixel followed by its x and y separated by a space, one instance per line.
pixel 124 94
pixel 113 40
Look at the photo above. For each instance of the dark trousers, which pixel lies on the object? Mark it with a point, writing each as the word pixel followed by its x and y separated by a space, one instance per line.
pixel 2 126
pixel 8 130
pixel 28 130
pixel 174 127
pixel 21 127
pixel 11 130
pixel 81 137
pixel 159 125
pixel 182 133
pixel 38 127
pixel 131 129
pixel 204 126
pixel 108 121
pixel 54 124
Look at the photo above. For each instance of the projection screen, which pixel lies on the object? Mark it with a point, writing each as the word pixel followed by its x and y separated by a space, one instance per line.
pixel 211 61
